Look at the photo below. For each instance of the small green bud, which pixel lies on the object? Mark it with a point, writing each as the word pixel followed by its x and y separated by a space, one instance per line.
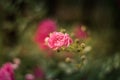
pixel 68 60
pixel 83 57
pixel 63 48
pixel 63 30
pixel 77 41
pixel 82 45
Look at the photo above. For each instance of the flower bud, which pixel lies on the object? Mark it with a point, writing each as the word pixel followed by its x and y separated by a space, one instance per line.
pixel 83 57
pixel 82 45
pixel 77 41
pixel 63 30
pixel 68 60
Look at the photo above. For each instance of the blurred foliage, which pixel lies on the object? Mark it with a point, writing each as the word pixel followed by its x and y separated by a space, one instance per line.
pixel 18 23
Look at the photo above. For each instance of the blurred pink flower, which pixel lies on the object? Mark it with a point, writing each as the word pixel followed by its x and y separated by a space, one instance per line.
pixel 39 73
pixel 44 29
pixel 29 77
pixel 80 32
pixel 58 39
pixel 7 72
pixel 16 62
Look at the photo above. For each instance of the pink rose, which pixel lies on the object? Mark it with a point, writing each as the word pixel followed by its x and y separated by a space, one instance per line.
pixel 7 72
pixel 58 39
pixel 44 29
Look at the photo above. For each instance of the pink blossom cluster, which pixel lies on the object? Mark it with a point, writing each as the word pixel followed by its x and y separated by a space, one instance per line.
pixel 58 39
pixel 7 72
pixel 45 27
